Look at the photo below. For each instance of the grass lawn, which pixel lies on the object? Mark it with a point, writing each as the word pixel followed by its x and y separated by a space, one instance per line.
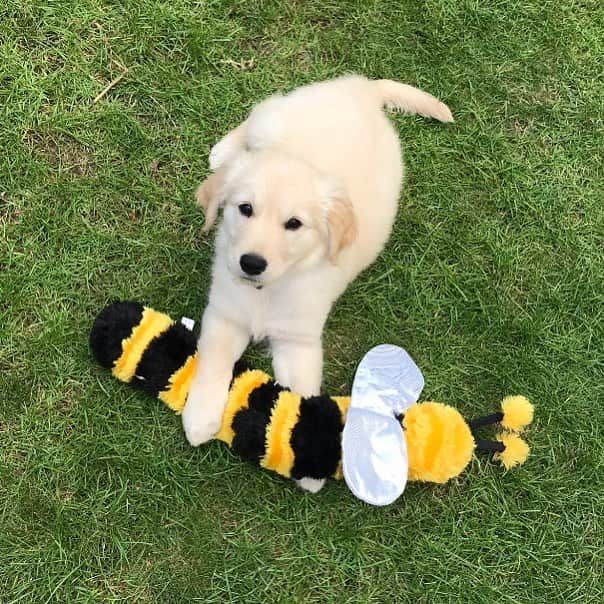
pixel 493 280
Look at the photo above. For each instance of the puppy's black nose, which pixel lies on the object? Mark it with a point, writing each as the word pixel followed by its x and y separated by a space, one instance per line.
pixel 252 264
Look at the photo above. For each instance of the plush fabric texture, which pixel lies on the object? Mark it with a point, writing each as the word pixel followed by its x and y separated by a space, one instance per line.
pixel 247 430
pixel 111 327
pixel 174 395
pixel 152 326
pixel 439 442
pixel 279 454
pixel 516 450
pixel 279 430
pixel 316 438
pixel 517 413
pixel 165 354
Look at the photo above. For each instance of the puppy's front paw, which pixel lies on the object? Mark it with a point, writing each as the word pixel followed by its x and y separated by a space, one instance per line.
pixel 201 417
pixel 199 431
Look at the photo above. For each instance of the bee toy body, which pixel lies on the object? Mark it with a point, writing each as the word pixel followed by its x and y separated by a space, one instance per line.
pixel 376 439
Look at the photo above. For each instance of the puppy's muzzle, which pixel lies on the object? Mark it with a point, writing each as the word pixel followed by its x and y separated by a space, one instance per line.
pixel 252 264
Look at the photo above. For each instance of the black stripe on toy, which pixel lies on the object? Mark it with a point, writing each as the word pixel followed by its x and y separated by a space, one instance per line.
pixel 486 420
pixel 250 424
pixel 316 438
pixel 112 325
pixel 165 355
pixel 264 397
pixel 490 445
pixel 239 368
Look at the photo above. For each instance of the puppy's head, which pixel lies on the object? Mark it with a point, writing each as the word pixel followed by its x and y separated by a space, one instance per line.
pixel 280 215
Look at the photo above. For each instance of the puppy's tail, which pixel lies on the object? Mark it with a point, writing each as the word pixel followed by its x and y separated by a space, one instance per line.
pixel 402 97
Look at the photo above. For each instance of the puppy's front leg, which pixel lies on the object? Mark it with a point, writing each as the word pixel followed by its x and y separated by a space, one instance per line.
pixel 299 366
pixel 220 345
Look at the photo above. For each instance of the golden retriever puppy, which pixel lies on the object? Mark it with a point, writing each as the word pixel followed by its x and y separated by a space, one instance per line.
pixel 309 186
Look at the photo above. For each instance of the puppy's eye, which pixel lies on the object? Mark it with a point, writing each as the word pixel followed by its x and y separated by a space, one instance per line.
pixel 246 209
pixel 293 224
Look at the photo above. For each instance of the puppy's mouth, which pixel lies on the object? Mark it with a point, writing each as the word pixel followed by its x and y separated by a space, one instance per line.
pixel 249 281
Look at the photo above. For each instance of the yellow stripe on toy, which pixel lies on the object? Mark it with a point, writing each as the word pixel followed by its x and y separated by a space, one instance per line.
pixel 175 396
pixel 343 402
pixel 152 324
pixel 279 455
pixel 439 442
pixel 238 399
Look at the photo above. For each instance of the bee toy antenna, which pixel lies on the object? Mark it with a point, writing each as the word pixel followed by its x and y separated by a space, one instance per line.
pixel 485 420
pixel 515 415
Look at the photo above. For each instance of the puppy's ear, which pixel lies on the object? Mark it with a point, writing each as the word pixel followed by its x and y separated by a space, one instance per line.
pixel 209 196
pixel 341 224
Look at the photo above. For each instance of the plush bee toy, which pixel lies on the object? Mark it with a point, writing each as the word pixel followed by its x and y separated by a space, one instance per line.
pixel 376 439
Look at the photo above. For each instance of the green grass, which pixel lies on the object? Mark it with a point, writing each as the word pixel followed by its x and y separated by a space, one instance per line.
pixel 493 280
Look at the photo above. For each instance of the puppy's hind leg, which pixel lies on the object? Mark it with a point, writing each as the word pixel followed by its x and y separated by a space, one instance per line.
pixel 261 130
pixel 228 147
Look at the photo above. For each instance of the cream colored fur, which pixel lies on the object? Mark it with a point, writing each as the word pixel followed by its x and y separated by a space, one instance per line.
pixel 327 155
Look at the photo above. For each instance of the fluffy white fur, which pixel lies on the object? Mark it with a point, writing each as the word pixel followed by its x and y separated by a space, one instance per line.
pixel 327 155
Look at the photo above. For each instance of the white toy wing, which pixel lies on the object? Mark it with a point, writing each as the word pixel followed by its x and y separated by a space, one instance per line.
pixel 374 453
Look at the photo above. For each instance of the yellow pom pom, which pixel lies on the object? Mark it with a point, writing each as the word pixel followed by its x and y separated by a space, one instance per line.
pixel 516 450
pixel 517 413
